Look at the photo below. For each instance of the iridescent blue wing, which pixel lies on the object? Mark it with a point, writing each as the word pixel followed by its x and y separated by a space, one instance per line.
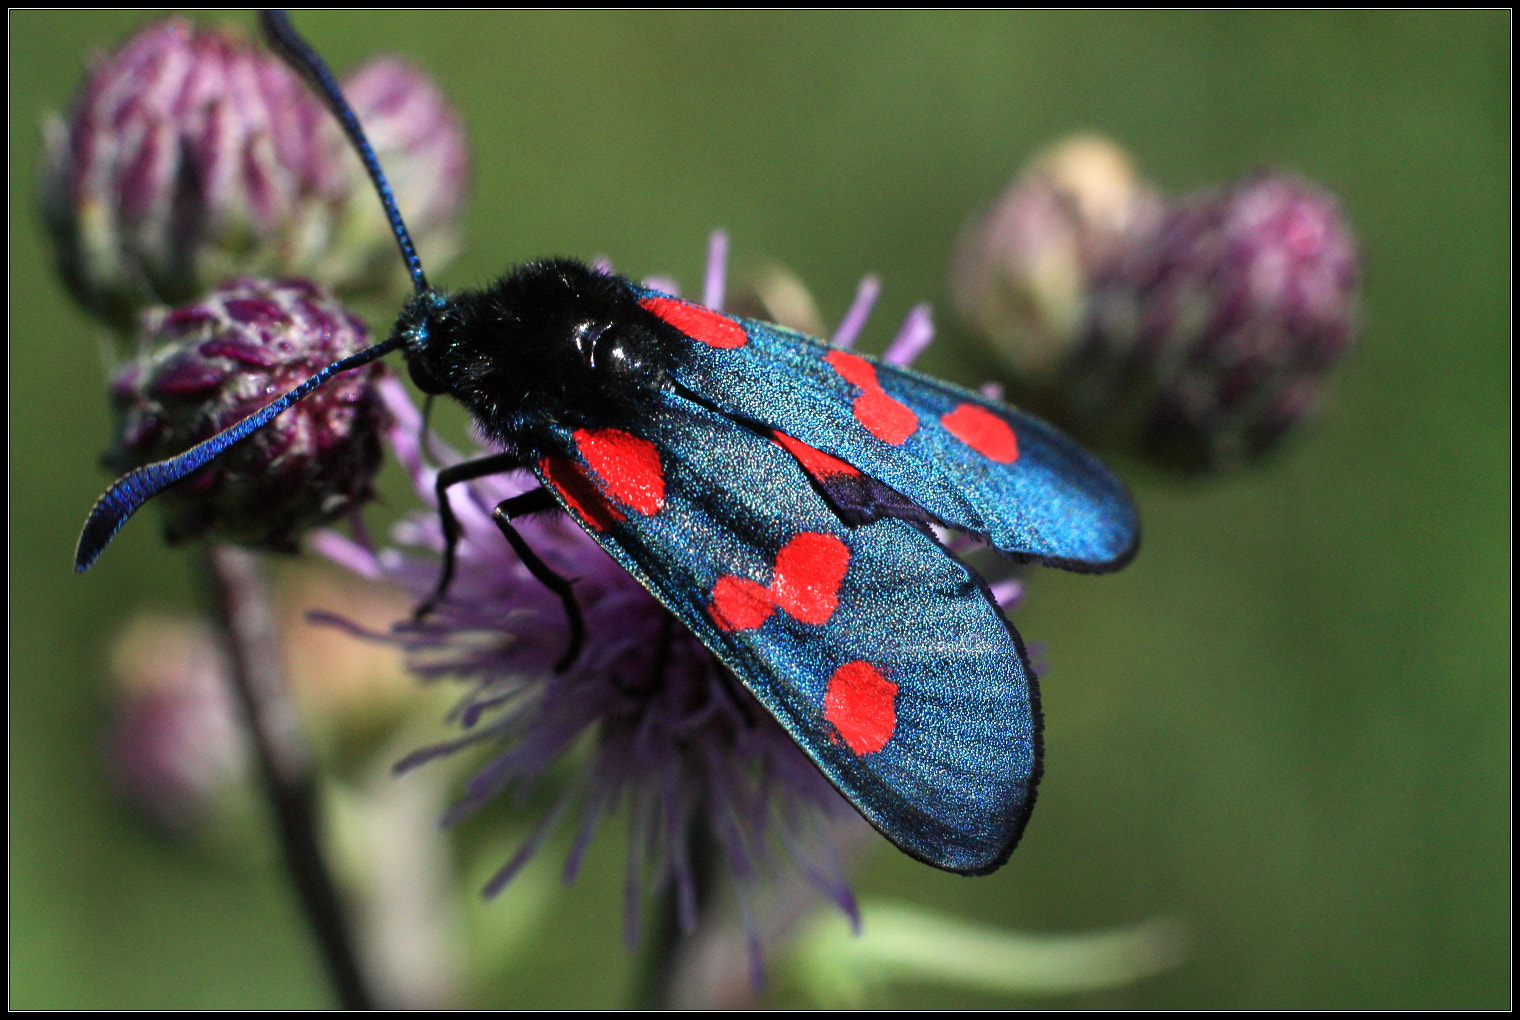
pixel 959 458
pixel 882 655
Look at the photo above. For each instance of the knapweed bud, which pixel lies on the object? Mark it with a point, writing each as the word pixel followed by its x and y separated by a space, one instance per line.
pixel 1204 346
pixel 1023 268
pixel 776 294
pixel 190 155
pixel 208 365
pixel 420 143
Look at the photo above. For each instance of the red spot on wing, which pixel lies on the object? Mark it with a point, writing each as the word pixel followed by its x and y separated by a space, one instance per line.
pixel 983 431
pixel 566 479
pixel 809 570
pixel 861 704
pixel 740 604
pixel 712 328
pixel 804 584
pixel 815 462
pixel 629 467
pixel 885 417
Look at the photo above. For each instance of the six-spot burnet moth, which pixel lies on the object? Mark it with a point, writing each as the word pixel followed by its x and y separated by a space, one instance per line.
pixel 777 495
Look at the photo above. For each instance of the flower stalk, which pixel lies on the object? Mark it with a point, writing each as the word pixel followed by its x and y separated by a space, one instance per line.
pixel 243 609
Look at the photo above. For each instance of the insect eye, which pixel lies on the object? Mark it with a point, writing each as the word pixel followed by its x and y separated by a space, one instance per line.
pixel 587 335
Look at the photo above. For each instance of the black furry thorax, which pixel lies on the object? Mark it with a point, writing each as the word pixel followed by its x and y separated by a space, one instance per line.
pixel 555 342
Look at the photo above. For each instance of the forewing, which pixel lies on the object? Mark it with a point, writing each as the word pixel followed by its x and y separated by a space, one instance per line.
pixel 969 462
pixel 881 654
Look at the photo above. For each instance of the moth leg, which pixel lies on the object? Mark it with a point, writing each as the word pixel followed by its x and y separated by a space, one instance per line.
pixel 449 476
pixel 530 502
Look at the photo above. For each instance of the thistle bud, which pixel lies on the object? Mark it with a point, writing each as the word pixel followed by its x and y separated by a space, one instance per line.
pixel 192 155
pixel 1207 345
pixel 1023 269
pixel 420 142
pixel 776 294
pixel 208 365
pixel 174 748
pixel 1195 333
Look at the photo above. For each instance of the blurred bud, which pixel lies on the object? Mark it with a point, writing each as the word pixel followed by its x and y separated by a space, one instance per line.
pixel 776 294
pixel 352 687
pixel 1204 347
pixel 207 366
pixel 174 749
pixel 1023 268
pixel 1195 334
pixel 192 155
pixel 420 143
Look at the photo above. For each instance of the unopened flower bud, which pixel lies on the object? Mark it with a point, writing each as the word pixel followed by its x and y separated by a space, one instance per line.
pixel 420 143
pixel 174 748
pixel 1206 346
pixel 1195 333
pixel 776 294
pixel 208 365
pixel 193 155
pixel 190 155
pixel 1023 268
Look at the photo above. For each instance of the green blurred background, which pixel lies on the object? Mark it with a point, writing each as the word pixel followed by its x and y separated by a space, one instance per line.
pixel 1286 724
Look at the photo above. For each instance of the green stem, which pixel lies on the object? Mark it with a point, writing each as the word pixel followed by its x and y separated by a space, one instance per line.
pixel 274 728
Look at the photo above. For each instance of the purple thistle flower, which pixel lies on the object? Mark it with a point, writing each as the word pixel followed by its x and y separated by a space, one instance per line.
pixel 204 367
pixel 676 738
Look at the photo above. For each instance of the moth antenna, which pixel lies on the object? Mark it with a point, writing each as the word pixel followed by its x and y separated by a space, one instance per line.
pixel 297 52
pixel 135 488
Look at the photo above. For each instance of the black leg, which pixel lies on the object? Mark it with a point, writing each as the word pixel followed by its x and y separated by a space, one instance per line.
pixel 453 475
pixel 534 501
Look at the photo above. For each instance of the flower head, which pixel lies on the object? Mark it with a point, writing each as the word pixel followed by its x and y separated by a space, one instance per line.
pixel 1023 268
pixel 205 366
pixel 675 738
pixel 192 155
pixel 1217 335
pixel 174 747
pixel 420 141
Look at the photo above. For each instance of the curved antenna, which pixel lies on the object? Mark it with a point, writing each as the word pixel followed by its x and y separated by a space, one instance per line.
pixel 285 41
pixel 135 488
